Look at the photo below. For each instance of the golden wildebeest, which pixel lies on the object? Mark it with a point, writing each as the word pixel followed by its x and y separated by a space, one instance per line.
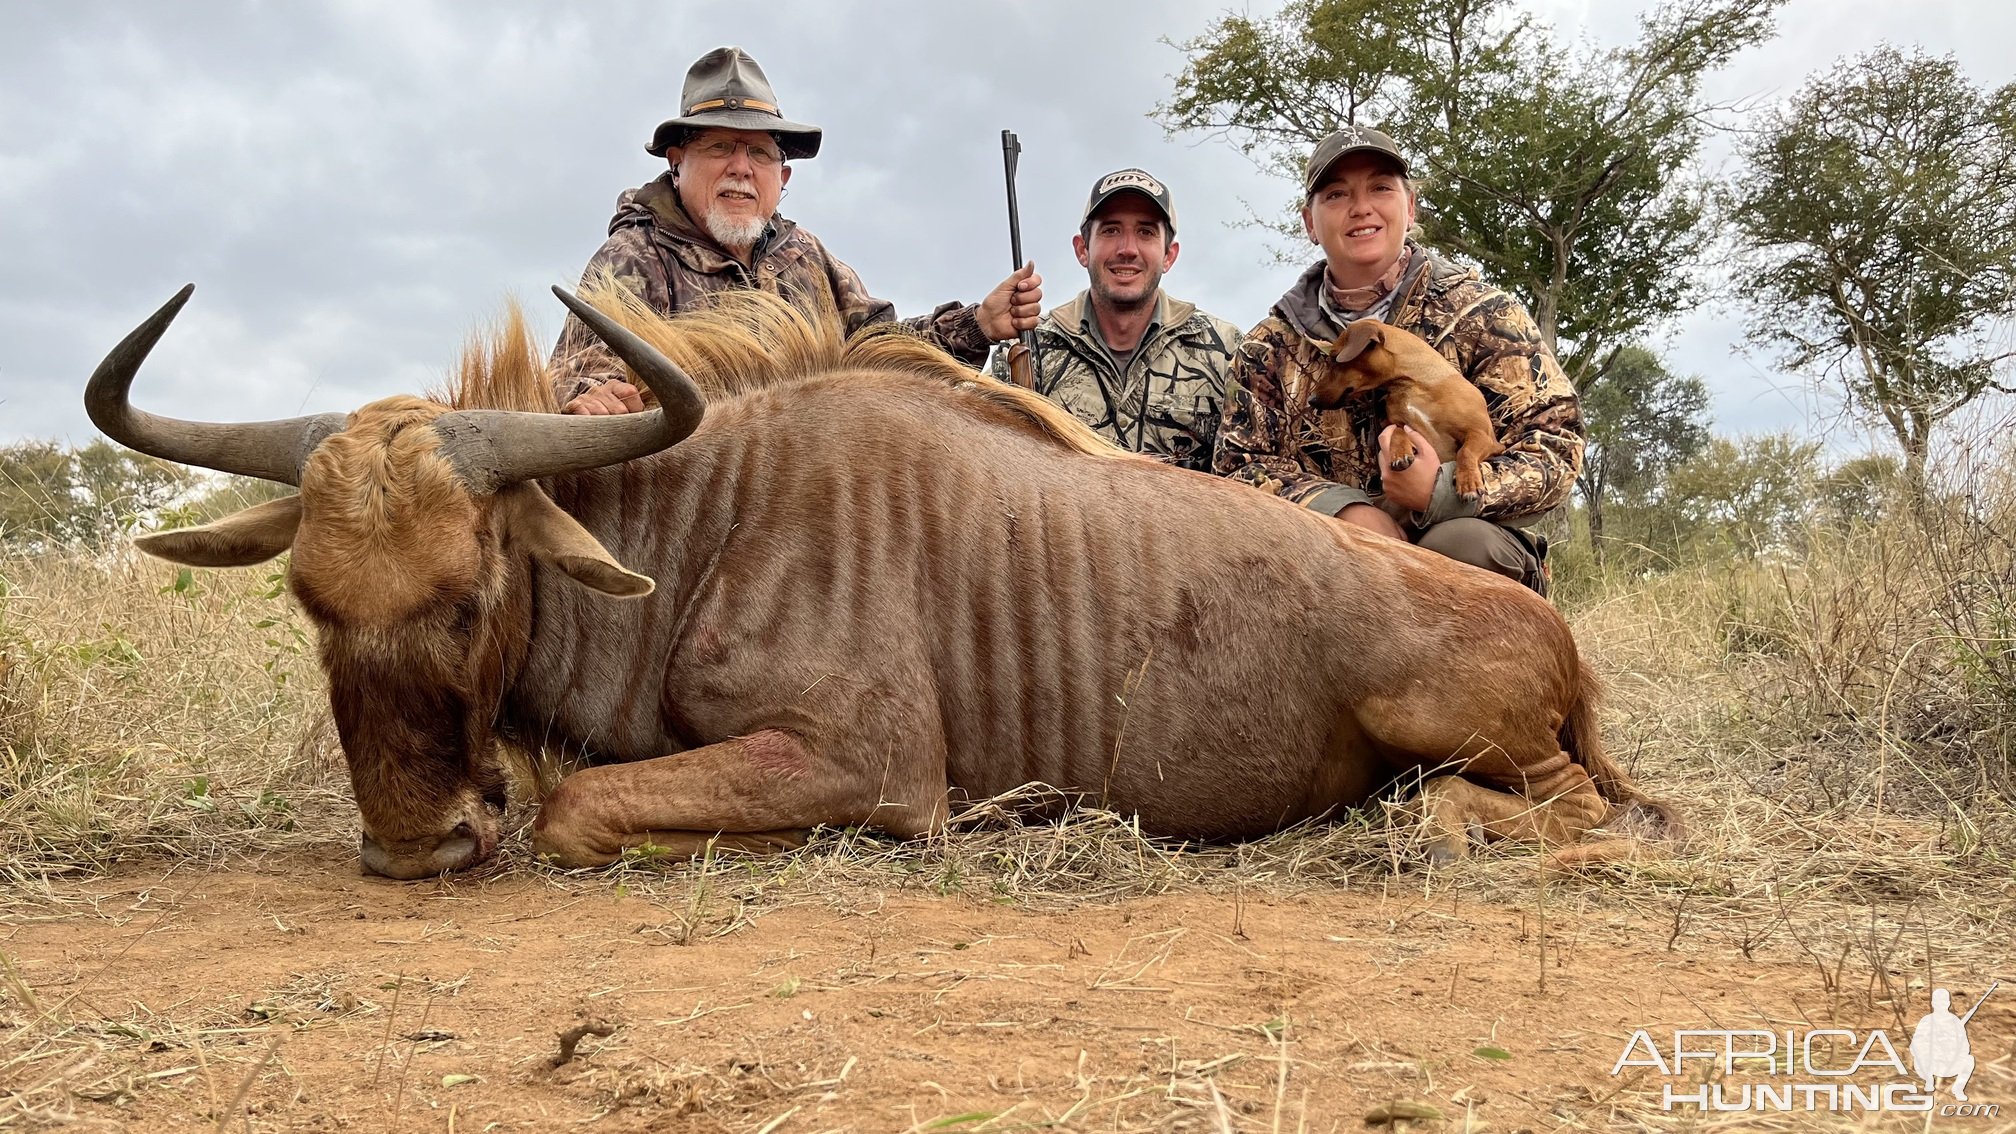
pixel 880 580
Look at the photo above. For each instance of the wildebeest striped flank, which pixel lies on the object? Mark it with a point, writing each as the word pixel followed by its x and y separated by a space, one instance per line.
pixel 858 580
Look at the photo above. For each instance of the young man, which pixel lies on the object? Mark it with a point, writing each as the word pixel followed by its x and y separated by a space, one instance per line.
pixel 1142 368
pixel 710 223
pixel 1358 207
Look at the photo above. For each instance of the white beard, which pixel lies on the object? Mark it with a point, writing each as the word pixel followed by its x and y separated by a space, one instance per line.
pixel 735 235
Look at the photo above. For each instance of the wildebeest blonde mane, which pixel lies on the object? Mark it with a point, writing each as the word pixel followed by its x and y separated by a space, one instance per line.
pixel 742 342
pixel 501 368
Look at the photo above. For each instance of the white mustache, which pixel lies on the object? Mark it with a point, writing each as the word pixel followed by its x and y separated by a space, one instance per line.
pixel 738 185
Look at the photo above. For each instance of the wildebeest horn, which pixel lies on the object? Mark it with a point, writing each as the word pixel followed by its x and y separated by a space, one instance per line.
pixel 269 450
pixel 493 448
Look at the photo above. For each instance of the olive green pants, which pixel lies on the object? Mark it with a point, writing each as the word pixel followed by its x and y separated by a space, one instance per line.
pixel 1518 555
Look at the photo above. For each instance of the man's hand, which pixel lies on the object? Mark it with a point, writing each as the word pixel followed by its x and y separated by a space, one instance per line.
pixel 1412 487
pixel 1013 306
pixel 610 397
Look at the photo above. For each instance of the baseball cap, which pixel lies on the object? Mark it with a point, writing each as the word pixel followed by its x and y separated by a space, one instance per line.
pixel 1343 143
pixel 1131 181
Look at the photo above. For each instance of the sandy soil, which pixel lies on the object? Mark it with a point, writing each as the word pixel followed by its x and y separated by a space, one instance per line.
pixel 294 994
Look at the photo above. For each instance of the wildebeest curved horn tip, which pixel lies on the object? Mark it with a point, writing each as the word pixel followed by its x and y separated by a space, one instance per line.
pixel 269 450
pixel 574 303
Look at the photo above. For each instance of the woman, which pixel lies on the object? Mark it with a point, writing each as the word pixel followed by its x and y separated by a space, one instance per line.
pixel 1358 206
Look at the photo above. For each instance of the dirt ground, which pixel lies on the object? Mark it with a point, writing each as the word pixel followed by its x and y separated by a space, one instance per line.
pixel 294 994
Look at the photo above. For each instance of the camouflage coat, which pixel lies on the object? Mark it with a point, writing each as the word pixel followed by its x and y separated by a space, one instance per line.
pixel 1179 366
pixel 1271 439
pixel 657 250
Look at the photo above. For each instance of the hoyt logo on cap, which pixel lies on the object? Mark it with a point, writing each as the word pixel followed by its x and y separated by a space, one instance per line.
pixel 1131 181
pixel 1131 178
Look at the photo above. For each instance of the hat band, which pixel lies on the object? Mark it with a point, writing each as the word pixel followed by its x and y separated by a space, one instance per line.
pixel 734 104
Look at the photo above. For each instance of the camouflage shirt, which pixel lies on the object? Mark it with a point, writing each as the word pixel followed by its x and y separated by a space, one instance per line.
pixel 1326 460
pixel 1178 366
pixel 657 251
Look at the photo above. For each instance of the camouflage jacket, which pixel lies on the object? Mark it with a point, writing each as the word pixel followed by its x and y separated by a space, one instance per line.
pixel 1179 366
pixel 659 252
pixel 1271 439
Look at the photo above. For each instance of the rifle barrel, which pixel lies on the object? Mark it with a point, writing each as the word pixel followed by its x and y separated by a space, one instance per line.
pixel 1011 150
pixel 1979 1003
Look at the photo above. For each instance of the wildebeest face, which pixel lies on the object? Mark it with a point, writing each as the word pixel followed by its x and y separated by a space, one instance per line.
pixel 420 611
pixel 413 537
pixel 403 572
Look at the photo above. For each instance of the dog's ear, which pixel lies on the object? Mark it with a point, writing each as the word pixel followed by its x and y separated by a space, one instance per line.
pixel 1359 336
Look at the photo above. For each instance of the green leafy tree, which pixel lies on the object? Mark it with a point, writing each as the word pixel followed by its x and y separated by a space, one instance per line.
pixel 84 497
pixel 224 497
pixel 1879 215
pixel 34 490
pixel 1643 421
pixel 1858 491
pixel 1740 495
pixel 1562 171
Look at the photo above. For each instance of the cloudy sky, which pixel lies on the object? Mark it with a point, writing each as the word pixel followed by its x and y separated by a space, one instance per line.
pixel 353 186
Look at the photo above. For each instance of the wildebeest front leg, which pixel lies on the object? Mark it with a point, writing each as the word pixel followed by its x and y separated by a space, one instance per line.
pixel 760 792
pixel 1557 811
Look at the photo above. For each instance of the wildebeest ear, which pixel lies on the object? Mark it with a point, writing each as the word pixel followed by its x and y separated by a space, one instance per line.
pixel 1360 334
pixel 559 541
pixel 239 540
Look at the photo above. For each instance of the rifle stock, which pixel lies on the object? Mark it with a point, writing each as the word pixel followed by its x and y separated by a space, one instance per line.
pixel 1022 362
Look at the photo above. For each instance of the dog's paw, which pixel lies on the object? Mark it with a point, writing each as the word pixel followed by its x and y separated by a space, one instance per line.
pixel 1400 464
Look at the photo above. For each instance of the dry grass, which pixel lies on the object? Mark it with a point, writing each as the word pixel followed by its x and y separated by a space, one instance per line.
pixel 1837 729
pixel 147 711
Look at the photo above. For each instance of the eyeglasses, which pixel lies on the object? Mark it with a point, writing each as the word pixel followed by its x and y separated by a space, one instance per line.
pixel 723 149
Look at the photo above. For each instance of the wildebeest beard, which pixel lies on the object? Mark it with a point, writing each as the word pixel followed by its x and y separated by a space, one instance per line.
pixel 400 567
pixel 416 752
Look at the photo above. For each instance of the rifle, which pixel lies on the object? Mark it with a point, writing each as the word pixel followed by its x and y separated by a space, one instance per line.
pixel 1978 1003
pixel 1022 355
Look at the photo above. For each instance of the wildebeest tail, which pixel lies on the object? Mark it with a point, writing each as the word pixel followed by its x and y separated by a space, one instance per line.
pixel 1632 812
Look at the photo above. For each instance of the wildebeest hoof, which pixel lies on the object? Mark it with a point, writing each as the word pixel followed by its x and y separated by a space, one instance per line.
pixel 1440 854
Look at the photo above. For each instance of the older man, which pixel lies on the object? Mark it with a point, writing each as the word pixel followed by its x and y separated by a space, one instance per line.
pixel 1358 206
pixel 1143 368
pixel 710 223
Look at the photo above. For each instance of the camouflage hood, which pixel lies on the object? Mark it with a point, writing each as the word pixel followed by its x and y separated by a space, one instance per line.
pixel 1272 439
pixel 655 205
pixel 660 254
pixel 1304 310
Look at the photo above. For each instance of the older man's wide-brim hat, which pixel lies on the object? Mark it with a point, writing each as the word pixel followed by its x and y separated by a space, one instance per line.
pixel 725 89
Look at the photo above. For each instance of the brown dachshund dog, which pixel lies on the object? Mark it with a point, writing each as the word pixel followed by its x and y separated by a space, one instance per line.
pixel 1423 390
